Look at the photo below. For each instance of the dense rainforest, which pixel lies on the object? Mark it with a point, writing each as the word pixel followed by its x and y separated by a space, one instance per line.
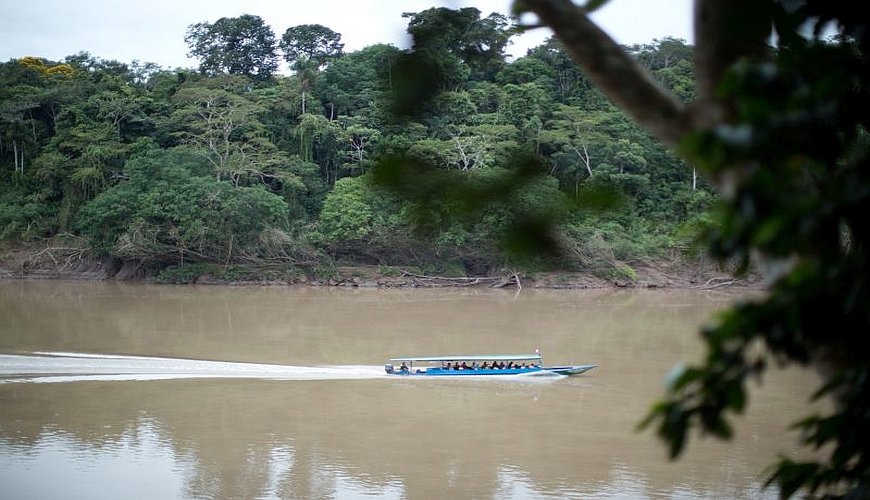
pixel 237 168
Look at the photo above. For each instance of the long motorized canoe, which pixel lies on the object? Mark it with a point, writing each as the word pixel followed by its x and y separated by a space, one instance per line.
pixel 482 364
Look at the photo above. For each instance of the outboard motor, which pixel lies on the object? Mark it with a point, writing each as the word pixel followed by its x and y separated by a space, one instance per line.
pixel 388 368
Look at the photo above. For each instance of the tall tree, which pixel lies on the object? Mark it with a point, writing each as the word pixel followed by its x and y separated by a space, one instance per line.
pixel 310 45
pixel 307 48
pixel 355 82
pixel 242 45
pixel 224 128
pixel 460 42
pixel 662 53
pixel 570 83
pixel 576 139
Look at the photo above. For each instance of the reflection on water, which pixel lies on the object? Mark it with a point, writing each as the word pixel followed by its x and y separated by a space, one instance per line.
pixel 354 437
pixel 326 439
pixel 59 465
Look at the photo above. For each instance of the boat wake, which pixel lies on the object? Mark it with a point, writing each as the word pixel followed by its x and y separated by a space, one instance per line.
pixel 48 367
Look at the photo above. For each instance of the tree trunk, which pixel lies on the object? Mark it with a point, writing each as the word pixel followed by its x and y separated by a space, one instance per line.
pixel 32 126
pixel 584 157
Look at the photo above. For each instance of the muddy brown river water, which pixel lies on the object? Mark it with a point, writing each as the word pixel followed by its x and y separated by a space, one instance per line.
pixel 111 390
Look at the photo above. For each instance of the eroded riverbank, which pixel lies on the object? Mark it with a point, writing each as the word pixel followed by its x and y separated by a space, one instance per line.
pixel 74 264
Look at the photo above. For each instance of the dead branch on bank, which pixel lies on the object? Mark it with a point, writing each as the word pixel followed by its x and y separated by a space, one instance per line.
pixel 718 282
pixel 465 281
pixel 62 257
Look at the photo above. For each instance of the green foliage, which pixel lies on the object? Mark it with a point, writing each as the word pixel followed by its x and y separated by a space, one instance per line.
pixel 188 273
pixel 182 274
pixel 360 218
pixel 524 106
pixel 459 43
pixel 242 45
pixel 165 212
pixel 518 205
pixel 324 271
pixel 352 84
pixel 150 163
pixel 568 85
pixel 348 213
pixel 665 53
pixel 527 70
pixel 24 216
pixel 389 272
pixel 310 44
pixel 623 272
pixel 417 79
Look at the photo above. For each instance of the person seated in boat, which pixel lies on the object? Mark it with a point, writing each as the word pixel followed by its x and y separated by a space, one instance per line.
pixel 404 367
pixel 484 366
pixel 474 365
pixel 501 365
pixel 456 365
pixel 510 365
pixel 464 366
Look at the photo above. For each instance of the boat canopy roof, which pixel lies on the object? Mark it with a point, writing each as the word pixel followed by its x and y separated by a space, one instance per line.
pixel 478 357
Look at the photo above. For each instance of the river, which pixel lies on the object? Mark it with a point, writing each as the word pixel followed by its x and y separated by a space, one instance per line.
pixel 114 390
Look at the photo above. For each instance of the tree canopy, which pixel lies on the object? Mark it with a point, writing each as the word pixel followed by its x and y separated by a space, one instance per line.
pixel 243 45
pixel 310 44
pixel 73 138
pixel 460 42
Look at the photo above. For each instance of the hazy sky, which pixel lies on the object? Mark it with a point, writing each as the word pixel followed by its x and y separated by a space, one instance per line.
pixel 153 30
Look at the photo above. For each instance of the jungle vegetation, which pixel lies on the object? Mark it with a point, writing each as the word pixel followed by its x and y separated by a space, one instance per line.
pixel 234 163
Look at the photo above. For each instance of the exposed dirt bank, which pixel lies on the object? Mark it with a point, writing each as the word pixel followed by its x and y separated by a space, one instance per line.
pixel 72 263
